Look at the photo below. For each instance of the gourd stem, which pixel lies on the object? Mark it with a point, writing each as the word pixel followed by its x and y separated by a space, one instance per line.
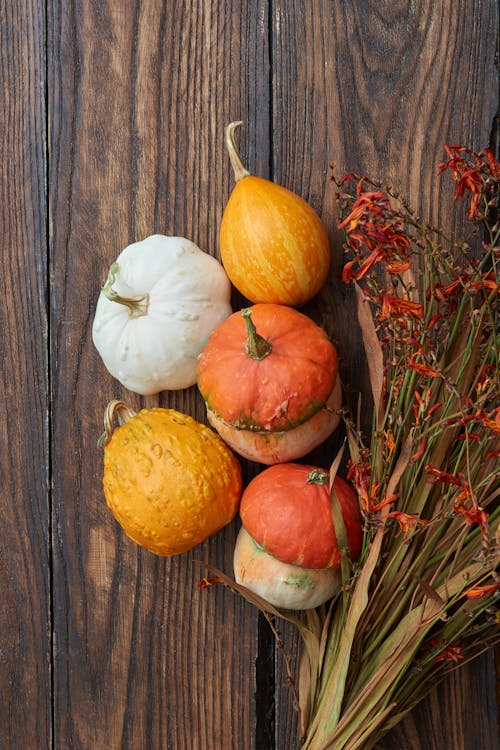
pixel 137 306
pixel 318 476
pixel 256 347
pixel 239 170
pixel 123 413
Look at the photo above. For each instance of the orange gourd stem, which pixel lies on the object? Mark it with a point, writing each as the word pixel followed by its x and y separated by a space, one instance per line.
pixel 123 413
pixel 256 347
pixel 239 169
pixel 318 476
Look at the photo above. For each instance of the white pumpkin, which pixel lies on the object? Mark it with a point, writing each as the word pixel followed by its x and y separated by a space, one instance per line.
pixel 281 584
pixel 162 300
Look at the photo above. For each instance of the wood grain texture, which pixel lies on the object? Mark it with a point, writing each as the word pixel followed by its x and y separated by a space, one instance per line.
pixel 379 88
pixel 25 679
pixel 140 95
pixel 103 644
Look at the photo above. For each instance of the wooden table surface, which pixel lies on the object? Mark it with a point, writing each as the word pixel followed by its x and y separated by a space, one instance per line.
pixel 111 128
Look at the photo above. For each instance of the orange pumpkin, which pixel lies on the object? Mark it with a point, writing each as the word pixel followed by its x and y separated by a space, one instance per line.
pixel 269 378
pixel 273 246
pixel 170 481
pixel 286 510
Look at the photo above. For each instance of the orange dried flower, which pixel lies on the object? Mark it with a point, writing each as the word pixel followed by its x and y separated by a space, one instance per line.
pixel 470 436
pixel 375 507
pixel 472 181
pixel 422 403
pixel 420 450
pixel 205 583
pixel 407 521
pixel 485 282
pixel 480 592
pixel 359 475
pixel 368 203
pixel 442 476
pixel 472 172
pixel 398 306
pixel 448 653
pixel 493 164
pixel 473 515
pixel 373 225
pixel 390 443
pixel 422 369
pixel 493 422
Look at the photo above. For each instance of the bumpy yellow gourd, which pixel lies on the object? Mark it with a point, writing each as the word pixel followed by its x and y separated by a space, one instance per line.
pixel 170 481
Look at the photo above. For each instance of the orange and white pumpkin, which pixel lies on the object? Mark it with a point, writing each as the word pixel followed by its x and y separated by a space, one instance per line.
pixel 269 378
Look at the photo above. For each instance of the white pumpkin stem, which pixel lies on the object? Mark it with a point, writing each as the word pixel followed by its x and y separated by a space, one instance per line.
pixel 239 169
pixel 137 306
pixel 123 413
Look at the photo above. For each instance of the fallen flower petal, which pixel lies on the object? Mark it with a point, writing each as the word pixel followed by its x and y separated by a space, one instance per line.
pixel 206 582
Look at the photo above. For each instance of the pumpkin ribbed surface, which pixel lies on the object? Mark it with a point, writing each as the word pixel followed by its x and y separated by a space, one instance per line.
pixel 273 246
pixel 170 481
pixel 280 391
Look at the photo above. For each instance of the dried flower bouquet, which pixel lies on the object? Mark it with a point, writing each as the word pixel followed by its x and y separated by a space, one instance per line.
pixel 420 601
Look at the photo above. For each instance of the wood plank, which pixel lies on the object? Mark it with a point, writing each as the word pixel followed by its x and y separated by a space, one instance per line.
pixel 379 89
pixel 140 93
pixel 25 683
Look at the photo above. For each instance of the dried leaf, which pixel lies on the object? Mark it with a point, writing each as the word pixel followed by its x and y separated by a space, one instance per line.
pixel 253 598
pixel 353 443
pixel 338 521
pixel 408 631
pixel 373 351
pixel 429 591
pixel 333 681
pixel 400 467
pixel 325 631
pixel 449 434
pixel 411 586
pixel 309 669
pixel 307 683
pixel 373 695
pixel 394 657
pixel 396 566
pixel 335 465
pixel 368 727
pixel 341 536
